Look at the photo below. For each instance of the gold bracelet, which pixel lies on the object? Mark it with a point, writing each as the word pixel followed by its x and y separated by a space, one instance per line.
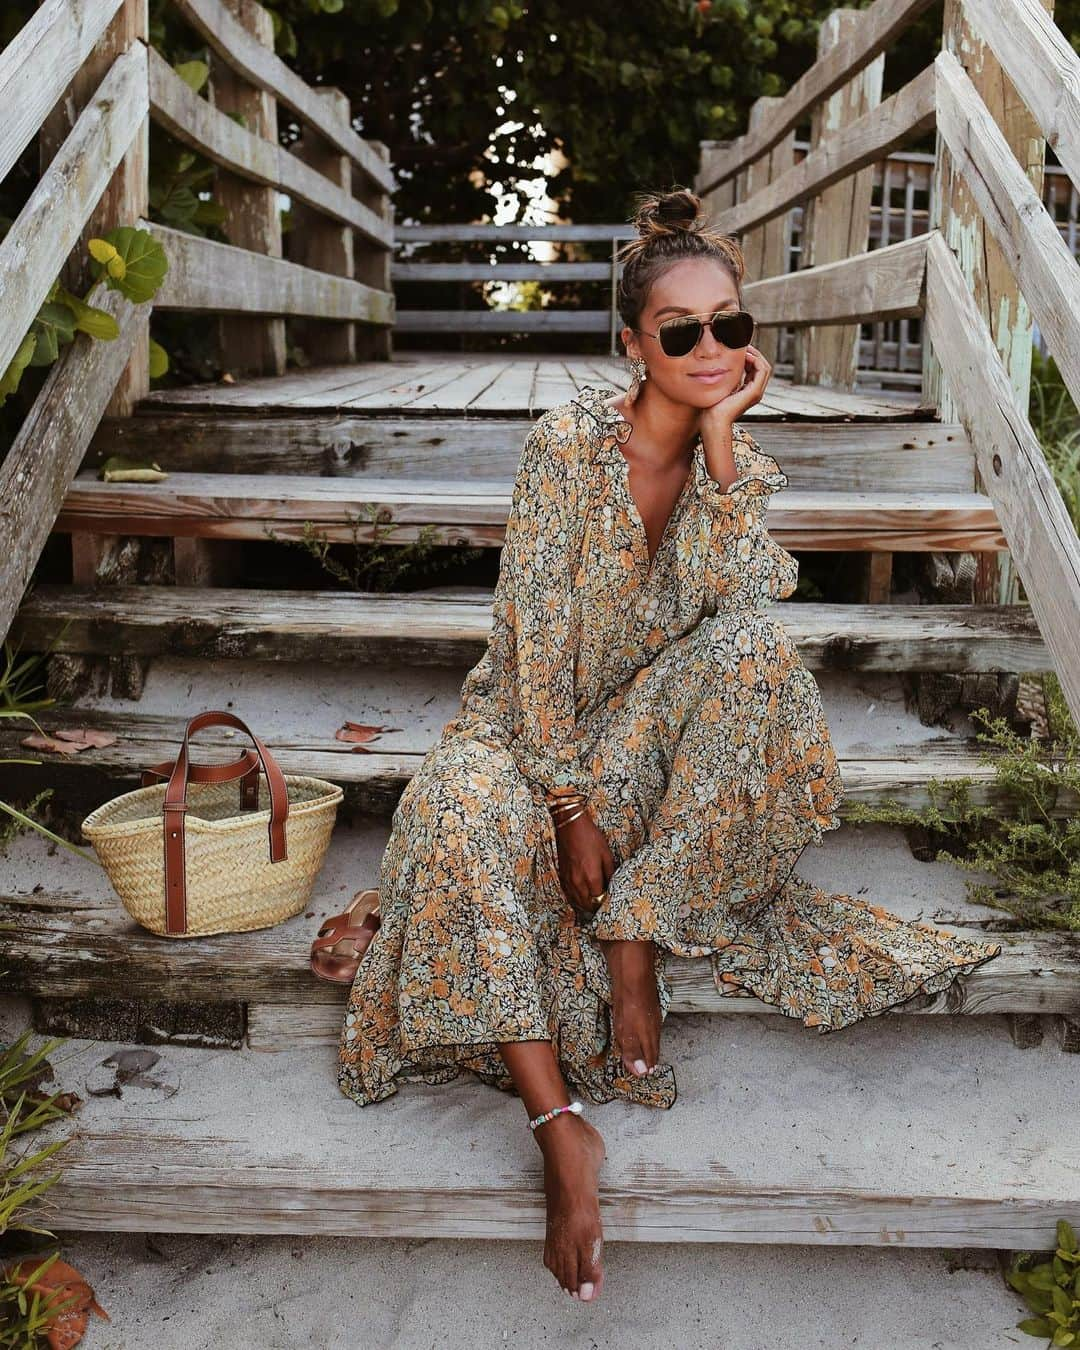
pixel 567 819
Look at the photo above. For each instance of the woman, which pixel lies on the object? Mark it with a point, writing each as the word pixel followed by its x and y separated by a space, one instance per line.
pixel 639 759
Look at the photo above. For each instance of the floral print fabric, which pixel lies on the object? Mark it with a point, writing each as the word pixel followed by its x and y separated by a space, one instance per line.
pixel 665 692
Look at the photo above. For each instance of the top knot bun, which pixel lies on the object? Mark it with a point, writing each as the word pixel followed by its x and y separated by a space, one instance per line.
pixel 666 212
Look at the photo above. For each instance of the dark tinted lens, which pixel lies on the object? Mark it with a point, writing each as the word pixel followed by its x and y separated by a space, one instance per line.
pixel 679 336
pixel 733 330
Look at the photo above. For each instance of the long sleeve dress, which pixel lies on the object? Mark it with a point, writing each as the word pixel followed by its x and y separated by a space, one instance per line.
pixel 670 697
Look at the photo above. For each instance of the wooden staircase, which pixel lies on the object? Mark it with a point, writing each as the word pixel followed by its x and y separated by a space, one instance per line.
pixel 137 1167
pixel 901 1131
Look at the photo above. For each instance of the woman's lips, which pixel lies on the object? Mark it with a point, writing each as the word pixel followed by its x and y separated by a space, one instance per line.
pixel 710 379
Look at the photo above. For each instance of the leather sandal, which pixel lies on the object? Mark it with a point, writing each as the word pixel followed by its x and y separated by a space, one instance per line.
pixel 340 946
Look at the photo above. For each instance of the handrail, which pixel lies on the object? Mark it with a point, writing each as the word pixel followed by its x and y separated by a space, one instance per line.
pixel 1033 53
pixel 48 226
pixel 97 180
pixel 39 64
pixel 212 21
pixel 878 28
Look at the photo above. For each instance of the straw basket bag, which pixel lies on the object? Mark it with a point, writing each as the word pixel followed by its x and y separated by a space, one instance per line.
pixel 197 855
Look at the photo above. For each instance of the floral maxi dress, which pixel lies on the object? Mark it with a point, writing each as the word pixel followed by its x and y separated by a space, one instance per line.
pixel 668 695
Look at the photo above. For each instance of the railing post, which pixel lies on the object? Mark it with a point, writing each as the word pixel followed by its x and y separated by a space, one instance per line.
pixel 316 241
pixel 373 264
pixel 249 346
pixel 766 247
pixel 836 224
pixel 989 275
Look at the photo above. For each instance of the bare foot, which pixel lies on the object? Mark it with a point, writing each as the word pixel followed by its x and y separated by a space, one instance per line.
pixel 635 1003
pixel 573 1152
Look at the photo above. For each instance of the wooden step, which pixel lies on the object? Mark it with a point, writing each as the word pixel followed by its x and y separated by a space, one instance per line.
pixel 850 456
pixel 779 1135
pixel 390 511
pixel 72 939
pixel 374 781
pixel 83 944
pixel 421 629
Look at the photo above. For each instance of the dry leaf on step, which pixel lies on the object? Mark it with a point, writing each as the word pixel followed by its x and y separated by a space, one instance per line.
pixel 69 741
pixel 360 732
pixel 86 736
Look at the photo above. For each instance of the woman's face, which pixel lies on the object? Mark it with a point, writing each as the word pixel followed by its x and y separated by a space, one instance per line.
pixel 694 286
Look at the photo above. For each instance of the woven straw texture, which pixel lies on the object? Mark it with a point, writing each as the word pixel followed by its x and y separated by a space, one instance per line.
pixel 232 886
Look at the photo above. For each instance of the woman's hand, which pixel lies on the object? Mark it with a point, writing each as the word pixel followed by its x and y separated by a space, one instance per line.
pixel 728 409
pixel 586 862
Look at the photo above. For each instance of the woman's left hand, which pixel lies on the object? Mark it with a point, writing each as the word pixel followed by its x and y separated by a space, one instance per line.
pixel 731 407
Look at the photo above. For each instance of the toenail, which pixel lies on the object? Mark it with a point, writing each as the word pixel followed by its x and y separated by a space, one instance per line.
pixel 586 1290
pixel 640 1066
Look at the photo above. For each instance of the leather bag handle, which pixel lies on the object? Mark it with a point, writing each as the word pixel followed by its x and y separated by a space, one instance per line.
pixel 175 807
pixel 246 767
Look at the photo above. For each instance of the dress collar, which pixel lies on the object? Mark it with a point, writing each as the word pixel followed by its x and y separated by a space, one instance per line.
pixel 754 465
pixel 616 431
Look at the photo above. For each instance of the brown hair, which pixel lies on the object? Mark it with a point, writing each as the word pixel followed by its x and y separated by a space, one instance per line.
pixel 671 227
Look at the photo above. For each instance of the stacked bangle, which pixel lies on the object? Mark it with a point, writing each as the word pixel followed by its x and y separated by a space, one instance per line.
pixel 566 805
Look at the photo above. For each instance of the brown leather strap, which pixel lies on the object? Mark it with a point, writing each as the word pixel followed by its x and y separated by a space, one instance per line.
pixel 175 806
pixel 246 767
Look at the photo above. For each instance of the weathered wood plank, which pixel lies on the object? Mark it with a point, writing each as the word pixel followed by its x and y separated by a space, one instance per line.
pixel 880 24
pixel 885 283
pixel 856 457
pixel 40 62
pixel 326 245
pixel 249 344
pixel 431 630
pixel 865 141
pixel 50 443
pixel 238 506
pixel 1012 210
pixel 267 71
pixel 375 781
pixel 242 1149
pixel 76 949
pixel 1044 67
pixel 46 229
pixel 199 124
pixel 1040 533
pixel 782 400
pixel 836 219
pixel 205 275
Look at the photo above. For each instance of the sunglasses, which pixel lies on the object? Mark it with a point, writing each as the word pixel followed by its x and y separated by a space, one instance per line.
pixel 679 336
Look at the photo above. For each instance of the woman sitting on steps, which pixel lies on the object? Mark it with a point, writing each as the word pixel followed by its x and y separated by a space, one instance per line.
pixel 639 760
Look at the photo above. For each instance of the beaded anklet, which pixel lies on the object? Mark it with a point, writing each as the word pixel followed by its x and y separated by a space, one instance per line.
pixel 576 1107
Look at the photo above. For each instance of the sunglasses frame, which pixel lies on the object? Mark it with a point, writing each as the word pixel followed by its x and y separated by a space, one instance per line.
pixel 681 318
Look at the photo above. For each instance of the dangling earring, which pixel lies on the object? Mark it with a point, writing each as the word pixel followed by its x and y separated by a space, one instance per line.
pixel 639 371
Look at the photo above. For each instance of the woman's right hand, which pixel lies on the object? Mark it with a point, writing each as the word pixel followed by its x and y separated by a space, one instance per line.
pixel 586 862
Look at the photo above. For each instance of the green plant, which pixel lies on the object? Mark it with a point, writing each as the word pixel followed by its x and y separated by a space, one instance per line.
pixel 126 259
pixel 379 568
pixel 24 1179
pixel 1033 851
pixel 1051 1289
pixel 19 686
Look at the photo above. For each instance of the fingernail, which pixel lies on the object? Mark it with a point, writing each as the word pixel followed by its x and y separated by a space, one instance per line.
pixel 586 1290
pixel 640 1066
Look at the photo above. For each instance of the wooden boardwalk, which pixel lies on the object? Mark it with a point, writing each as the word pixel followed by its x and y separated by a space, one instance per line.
pixel 433 382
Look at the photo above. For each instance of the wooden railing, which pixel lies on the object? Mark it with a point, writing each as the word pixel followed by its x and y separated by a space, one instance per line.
pixel 900 194
pixel 82 77
pixel 992 260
